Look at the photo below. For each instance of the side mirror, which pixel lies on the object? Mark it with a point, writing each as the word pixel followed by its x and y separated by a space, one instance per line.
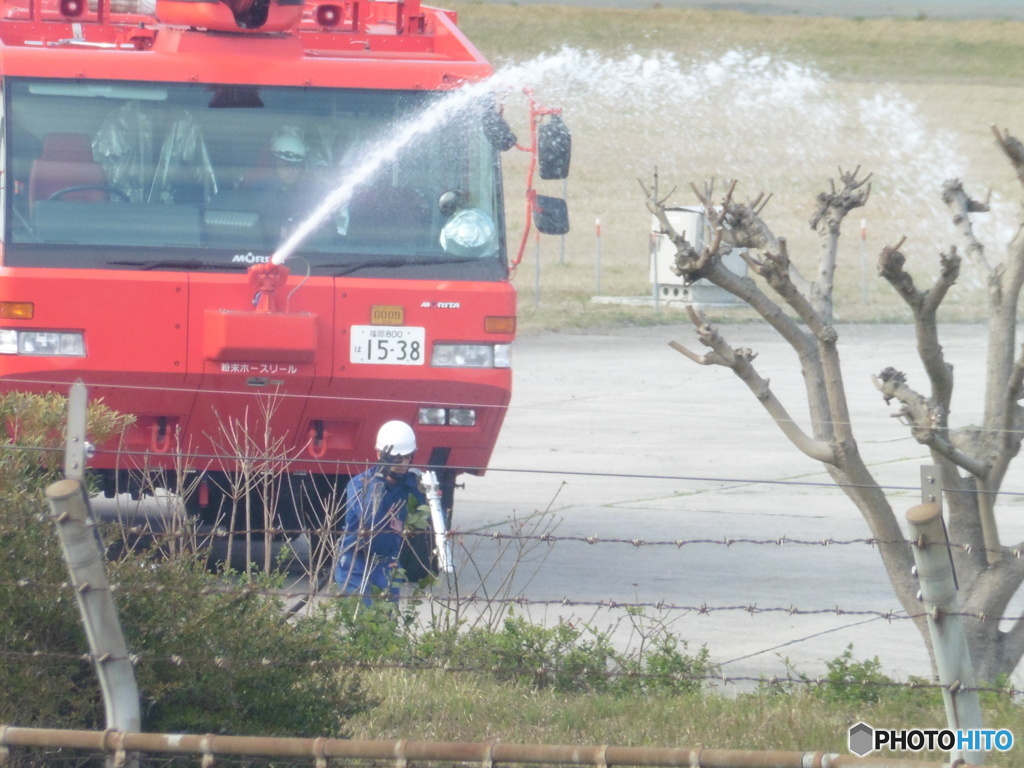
pixel 551 215
pixel 496 129
pixel 554 149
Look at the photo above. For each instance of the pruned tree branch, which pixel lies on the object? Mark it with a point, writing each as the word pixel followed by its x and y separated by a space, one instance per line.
pixel 925 305
pixel 742 225
pixel 926 419
pixel 833 207
pixel 962 205
pixel 974 460
pixel 740 362
pixel 1013 149
pixel 777 271
pixel 1011 432
pixel 693 265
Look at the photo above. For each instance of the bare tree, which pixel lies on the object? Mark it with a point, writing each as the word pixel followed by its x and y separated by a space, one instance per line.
pixel 973 459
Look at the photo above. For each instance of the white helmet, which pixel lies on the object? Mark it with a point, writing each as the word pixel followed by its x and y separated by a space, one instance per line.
pixel 288 147
pixel 397 438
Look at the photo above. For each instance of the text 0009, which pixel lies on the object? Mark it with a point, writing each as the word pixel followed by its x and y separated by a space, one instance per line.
pixel 387 345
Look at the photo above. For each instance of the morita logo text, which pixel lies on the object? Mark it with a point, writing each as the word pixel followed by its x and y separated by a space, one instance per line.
pixel 863 739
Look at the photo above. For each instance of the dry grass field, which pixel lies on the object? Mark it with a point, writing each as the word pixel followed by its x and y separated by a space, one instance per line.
pixel 776 103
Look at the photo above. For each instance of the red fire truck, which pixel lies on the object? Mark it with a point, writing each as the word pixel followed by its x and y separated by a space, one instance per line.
pixel 153 162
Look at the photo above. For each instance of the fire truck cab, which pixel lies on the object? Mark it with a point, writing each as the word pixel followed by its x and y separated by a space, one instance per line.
pixel 154 161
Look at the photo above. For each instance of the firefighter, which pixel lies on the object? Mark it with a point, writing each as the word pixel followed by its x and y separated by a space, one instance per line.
pixel 378 501
pixel 288 195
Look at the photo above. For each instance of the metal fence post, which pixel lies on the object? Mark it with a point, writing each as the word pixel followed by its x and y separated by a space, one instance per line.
pixel 938 594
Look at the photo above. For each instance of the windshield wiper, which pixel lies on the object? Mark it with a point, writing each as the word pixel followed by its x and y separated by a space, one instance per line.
pixel 175 264
pixel 349 268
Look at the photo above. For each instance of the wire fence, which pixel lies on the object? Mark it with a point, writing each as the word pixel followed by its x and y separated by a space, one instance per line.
pixel 505 560
pixel 478 587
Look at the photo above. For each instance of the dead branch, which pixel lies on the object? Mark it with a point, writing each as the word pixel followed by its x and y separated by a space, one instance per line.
pixel 706 192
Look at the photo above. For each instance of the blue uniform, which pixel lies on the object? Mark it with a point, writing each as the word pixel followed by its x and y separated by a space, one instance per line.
pixel 375 514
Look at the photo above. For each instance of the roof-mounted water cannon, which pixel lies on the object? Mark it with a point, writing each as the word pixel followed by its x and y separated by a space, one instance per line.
pixel 403 16
pixel 551 151
pixel 232 15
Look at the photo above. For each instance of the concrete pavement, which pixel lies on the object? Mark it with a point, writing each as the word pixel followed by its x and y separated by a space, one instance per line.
pixel 617 436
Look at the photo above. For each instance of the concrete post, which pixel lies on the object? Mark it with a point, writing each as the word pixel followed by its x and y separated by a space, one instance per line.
pixel 76 449
pixel 938 594
pixel 85 561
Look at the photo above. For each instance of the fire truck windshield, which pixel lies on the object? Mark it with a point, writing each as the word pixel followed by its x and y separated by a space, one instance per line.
pixel 179 176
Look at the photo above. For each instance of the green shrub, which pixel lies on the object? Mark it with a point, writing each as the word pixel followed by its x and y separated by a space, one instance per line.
pixel 568 658
pixel 853 682
pixel 371 633
pixel 565 657
pixel 56 689
pixel 214 654
pixel 666 669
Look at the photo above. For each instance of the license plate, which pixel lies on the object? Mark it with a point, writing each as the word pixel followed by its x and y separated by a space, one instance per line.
pixel 387 345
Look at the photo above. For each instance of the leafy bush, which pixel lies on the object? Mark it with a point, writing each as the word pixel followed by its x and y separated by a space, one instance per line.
pixel 852 683
pixel 202 639
pixel 565 657
pixel 35 614
pixel 216 654
pixel 666 669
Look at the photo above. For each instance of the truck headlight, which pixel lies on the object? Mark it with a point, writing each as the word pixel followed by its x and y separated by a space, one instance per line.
pixel 436 416
pixel 472 356
pixel 42 343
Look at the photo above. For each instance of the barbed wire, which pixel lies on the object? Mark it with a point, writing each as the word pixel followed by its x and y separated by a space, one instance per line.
pixel 161 536
pixel 474 597
pixel 190 459
pixel 542 671
pixel 753 609
pixel 59 384
pixel 547 538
